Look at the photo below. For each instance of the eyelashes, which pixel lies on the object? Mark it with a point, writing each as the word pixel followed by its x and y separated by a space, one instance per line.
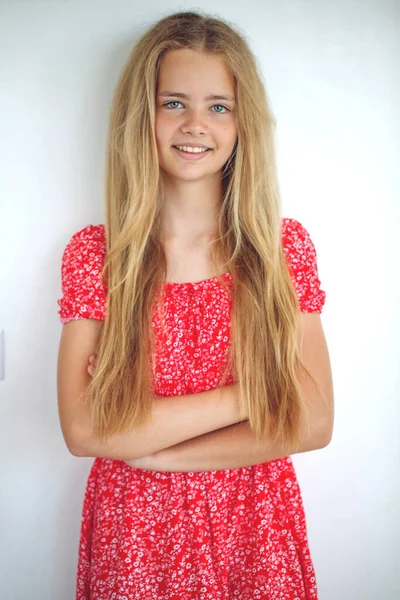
pixel 178 102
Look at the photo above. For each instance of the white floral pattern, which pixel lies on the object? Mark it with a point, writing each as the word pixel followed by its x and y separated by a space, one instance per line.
pixel 215 535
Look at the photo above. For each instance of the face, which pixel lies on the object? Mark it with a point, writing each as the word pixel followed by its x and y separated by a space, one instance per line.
pixel 186 117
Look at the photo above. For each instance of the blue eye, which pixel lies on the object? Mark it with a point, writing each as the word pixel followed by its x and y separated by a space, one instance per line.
pixel 177 102
pixel 172 102
pixel 226 108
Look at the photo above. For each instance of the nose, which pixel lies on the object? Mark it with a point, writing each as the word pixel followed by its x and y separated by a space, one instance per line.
pixel 194 122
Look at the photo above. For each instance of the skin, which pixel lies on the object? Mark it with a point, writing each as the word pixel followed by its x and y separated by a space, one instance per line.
pixel 192 188
pixel 235 445
pixel 189 218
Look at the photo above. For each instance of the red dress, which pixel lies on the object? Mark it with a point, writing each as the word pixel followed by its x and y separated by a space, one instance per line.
pixel 215 535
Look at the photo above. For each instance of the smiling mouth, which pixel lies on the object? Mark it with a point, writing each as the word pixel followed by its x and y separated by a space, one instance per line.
pixel 202 147
pixel 192 155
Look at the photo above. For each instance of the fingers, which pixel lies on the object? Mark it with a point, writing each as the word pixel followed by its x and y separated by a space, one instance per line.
pixel 92 364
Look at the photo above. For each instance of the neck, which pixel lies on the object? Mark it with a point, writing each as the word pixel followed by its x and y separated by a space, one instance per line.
pixel 190 209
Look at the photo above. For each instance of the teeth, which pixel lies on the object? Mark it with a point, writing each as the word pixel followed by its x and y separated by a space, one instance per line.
pixel 190 149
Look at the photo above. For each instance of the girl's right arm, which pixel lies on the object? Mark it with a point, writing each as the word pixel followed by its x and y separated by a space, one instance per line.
pixel 174 419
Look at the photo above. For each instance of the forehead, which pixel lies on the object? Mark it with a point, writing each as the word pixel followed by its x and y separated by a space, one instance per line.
pixel 195 73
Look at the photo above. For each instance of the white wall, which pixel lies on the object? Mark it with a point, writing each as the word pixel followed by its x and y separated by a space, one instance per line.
pixel 332 71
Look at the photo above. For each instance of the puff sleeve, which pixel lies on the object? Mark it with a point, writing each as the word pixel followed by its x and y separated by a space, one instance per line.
pixel 83 291
pixel 302 262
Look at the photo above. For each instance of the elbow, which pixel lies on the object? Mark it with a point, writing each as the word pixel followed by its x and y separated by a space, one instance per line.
pixel 317 434
pixel 77 442
pixel 83 444
pixel 323 424
pixel 76 449
pixel 325 433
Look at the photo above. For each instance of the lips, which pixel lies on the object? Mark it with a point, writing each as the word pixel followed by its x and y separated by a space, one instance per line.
pixel 191 156
pixel 189 146
pixel 193 145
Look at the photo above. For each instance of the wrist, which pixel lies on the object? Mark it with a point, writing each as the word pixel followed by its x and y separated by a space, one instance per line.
pixel 230 395
pixel 151 462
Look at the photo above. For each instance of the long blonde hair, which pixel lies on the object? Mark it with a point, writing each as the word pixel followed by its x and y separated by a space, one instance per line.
pixel 264 350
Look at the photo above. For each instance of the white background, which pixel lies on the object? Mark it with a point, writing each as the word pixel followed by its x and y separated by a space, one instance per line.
pixel 332 70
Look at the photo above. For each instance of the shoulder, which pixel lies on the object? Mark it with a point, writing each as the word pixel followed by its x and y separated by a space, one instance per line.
pixel 294 235
pixel 297 244
pixel 84 290
pixel 85 250
pixel 301 257
pixel 89 239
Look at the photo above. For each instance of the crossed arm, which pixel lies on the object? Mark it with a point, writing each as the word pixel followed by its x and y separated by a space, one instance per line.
pixel 236 445
pixel 229 442
pixel 228 448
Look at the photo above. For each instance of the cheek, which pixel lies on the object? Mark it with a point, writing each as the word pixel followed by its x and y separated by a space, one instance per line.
pixel 162 130
pixel 229 134
pixel 229 128
pixel 163 136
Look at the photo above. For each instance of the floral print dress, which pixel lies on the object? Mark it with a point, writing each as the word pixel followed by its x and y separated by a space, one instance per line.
pixel 216 535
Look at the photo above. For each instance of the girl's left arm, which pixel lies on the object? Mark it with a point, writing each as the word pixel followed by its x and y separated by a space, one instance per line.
pixel 236 446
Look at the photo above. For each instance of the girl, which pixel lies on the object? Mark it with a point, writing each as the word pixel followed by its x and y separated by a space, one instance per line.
pixel 201 305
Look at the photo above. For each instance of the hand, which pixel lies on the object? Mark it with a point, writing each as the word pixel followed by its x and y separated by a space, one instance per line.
pixel 144 462
pixel 92 364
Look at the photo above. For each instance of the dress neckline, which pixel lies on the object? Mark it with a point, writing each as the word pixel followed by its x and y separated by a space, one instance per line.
pixel 202 282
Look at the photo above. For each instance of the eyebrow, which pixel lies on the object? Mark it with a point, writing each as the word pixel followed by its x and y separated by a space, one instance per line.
pixel 167 94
